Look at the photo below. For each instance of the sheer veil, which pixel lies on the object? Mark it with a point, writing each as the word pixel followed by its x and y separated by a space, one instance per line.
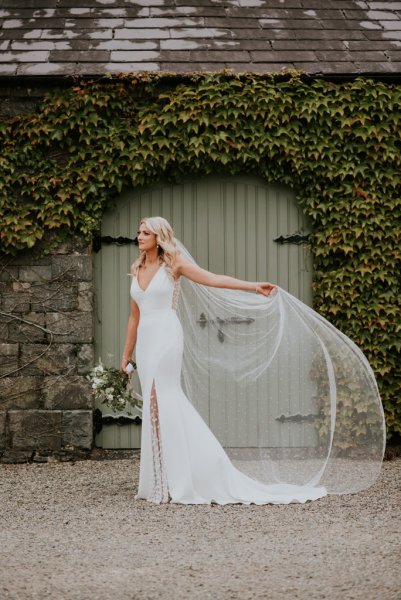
pixel 290 397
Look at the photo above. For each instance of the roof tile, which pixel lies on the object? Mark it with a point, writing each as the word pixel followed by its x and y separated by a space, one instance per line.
pixel 137 34
pixel 17 57
pixel 283 56
pixel 71 56
pixel 64 37
pixel 133 55
pixel 205 56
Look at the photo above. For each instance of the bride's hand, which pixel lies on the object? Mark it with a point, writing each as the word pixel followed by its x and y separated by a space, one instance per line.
pixel 124 363
pixel 267 289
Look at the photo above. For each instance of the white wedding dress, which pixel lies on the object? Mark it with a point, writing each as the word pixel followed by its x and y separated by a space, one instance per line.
pixel 181 459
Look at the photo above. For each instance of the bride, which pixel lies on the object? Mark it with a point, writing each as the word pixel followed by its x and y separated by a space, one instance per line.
pixel 182 461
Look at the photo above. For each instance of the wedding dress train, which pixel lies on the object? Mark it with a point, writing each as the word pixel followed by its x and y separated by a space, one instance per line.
pixel 182 461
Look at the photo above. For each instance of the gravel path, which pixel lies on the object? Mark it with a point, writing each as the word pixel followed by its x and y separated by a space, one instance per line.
pixel 72 531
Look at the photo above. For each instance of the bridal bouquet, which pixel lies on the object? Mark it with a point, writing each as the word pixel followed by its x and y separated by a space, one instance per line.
pixel 111 387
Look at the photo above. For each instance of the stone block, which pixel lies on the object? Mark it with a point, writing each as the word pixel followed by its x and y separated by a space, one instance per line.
pixel 85 296
pixel 72 267
pixel 3 432
pixel 78 428
pixel 4 334
pixel 21 286
pixel 67 393
pixel 14 106
pixel 35 273
pixel 8 358
pixel 26 258
pixel 29 330
pixel 71 245
pixel 12 456
pixel 86 357
pixel 16 298
pixel 58 359
pixel 54 297
pixel 71 327
pixel 31 429
pixel 3 289
pixel 21 392
pixel 8 350
pixel 45 359
pixel 8 273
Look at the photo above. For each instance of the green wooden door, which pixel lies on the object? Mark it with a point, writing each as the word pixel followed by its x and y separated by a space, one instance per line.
pixel 229 224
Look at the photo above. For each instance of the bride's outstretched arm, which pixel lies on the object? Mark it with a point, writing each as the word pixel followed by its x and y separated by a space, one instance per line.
pixel 130 340
pixel 199 275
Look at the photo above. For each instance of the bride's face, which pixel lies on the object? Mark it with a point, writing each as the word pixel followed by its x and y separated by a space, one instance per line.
pixel 146 238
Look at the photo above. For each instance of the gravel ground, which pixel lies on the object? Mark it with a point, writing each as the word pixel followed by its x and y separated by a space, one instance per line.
pixel 72 531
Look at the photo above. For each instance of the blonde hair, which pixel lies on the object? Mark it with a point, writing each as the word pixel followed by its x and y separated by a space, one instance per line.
pixel 167 249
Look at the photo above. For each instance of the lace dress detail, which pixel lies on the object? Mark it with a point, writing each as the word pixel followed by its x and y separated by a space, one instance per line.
pixel 160 493
pixel 176 292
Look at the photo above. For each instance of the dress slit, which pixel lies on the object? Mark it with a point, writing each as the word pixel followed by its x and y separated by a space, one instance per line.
pixel 160 492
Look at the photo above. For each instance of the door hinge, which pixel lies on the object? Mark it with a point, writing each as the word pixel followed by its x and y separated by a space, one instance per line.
pixel 98 240
pixel 232 320
pixel 293 238
pixel 298 418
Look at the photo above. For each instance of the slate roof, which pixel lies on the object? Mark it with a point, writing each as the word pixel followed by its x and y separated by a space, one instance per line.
pixel 87 37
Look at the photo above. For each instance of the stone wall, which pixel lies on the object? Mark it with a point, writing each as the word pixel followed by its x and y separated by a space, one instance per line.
pixel 46 335
pixel 46 348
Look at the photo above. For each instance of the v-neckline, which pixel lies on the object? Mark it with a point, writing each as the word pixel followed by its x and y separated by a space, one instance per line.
pixel 150 282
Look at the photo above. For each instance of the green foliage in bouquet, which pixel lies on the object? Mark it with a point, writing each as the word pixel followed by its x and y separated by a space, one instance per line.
pixel 110 386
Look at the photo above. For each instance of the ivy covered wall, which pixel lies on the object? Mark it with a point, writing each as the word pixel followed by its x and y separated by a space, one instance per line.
pixel 337 144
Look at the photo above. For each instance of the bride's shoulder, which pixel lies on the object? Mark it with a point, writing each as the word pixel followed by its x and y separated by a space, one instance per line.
pixel 177 265
pixel 134 269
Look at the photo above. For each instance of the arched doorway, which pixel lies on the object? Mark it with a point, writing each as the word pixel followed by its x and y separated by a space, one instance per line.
pixel 236 225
